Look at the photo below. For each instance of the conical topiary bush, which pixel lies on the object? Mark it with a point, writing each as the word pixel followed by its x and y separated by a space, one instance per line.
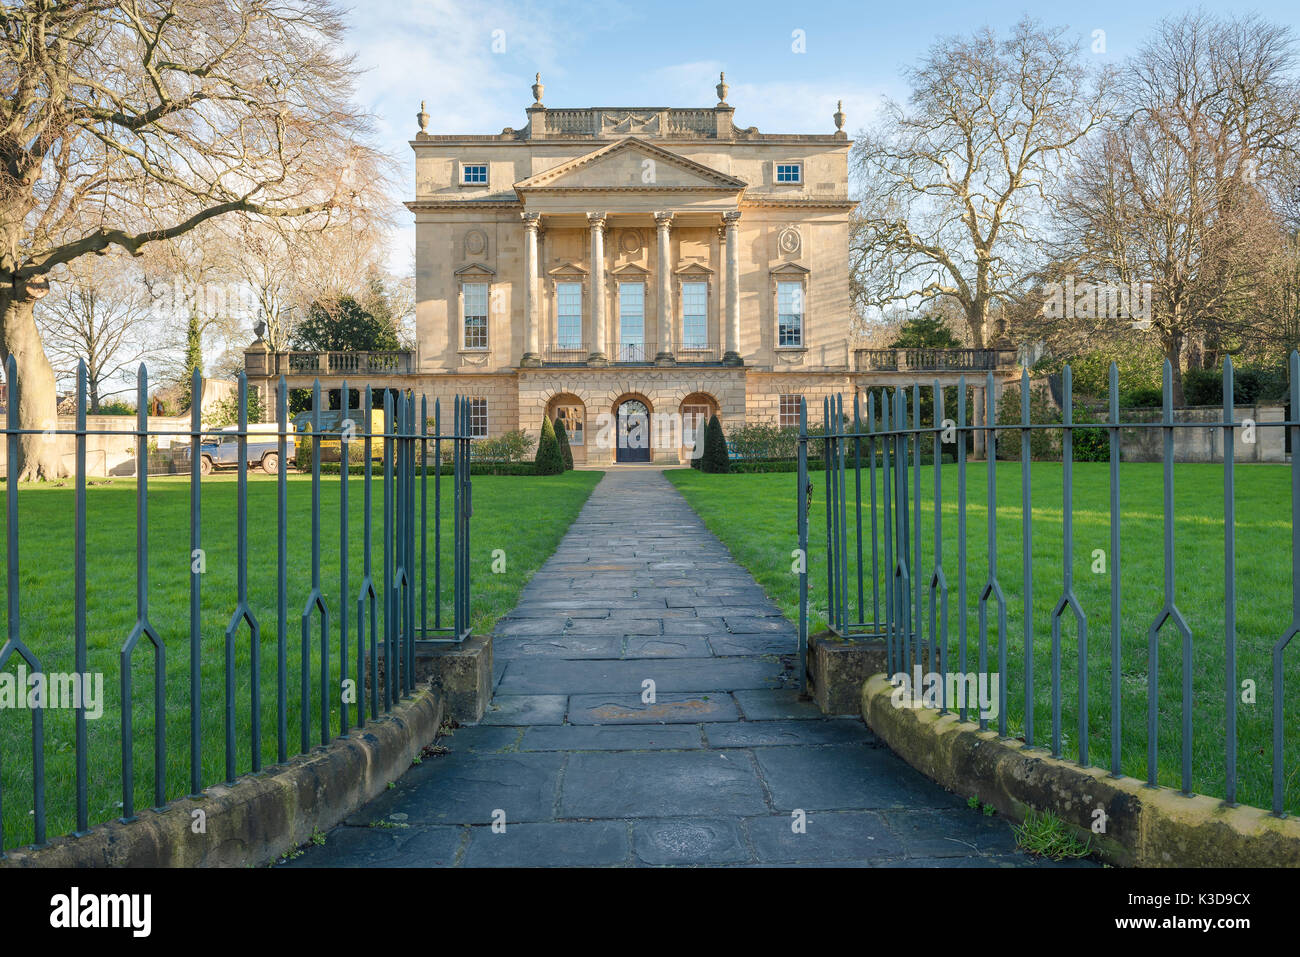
pixel 697 437
pixel 549 460
pixel 715 448
pixel 562 436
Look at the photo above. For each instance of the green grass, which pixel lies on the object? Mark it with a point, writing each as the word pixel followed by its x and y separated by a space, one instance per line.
pixel 525 517
pixel 1048 836
pixel 755 516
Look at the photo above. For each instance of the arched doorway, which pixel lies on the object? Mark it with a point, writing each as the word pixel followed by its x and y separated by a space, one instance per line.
pixel 695 410
pixel 572 411
pixel 632 430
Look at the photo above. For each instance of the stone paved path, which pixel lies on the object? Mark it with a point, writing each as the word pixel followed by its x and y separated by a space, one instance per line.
pixel 589 775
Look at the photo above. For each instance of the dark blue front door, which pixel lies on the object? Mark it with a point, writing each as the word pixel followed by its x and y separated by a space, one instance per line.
pixel 633 432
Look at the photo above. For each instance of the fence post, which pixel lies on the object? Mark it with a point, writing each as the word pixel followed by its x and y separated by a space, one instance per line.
pixel 346 432
pixel 803 501
pixel 1229 586
pixel 282 576
pixel 79 586
pixel 1027 551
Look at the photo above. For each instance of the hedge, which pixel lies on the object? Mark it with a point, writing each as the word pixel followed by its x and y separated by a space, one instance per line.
pixel 356 469
pixel 304 449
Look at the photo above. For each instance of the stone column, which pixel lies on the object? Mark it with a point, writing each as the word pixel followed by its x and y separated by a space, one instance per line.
pixel 597 356
pixel 731 356
pixel 666 338
pixel 532 354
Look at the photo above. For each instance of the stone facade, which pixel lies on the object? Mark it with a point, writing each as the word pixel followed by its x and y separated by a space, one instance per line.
pixel 602 261
pixel 603 255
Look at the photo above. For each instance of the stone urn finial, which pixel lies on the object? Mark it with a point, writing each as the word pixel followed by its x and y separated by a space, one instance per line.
pixel 538 90
pixel 422 118
pixel 722 89
pixel 839 117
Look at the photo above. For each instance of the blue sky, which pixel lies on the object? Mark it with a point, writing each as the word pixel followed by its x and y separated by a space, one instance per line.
pixel 473 63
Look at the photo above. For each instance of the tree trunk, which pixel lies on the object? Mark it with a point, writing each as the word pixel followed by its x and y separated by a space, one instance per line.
pixel 1174 353
pixel 976 317
pixel 38 456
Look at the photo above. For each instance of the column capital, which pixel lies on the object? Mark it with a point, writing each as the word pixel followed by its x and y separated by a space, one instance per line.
pixel 596 220
pixel 531 220
pixel 731 217
pixel 664 218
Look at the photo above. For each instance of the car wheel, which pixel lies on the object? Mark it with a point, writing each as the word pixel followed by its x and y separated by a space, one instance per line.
pixel 271 463
pixel 205 465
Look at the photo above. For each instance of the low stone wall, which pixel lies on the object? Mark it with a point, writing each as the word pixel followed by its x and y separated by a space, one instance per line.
pixel 261 816
pixel 1144 826
pixel 1206 444
pixel 111 454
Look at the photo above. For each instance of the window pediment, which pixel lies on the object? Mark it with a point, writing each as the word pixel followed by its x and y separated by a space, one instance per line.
pixel 790 271
pixel 569 269
pixel 475 271
pixel 691 270
pixel 631 271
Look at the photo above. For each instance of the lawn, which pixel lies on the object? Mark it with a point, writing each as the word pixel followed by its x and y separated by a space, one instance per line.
pixel 524 517
pixel 755 516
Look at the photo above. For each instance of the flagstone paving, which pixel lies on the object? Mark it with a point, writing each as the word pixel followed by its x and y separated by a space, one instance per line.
pixel 585 771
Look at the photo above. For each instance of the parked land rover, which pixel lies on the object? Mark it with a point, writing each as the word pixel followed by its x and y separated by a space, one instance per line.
pixel 221 449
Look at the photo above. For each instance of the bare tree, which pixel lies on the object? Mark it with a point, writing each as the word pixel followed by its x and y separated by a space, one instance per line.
pixel 126 122
pixel 98 313
pixel 285 270
pixel 1282 307
pixel 262 260
pixel 1186 191
pixel 954 184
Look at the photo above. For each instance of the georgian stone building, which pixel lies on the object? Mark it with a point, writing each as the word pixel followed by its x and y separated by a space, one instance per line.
pixel 616 267
pixel 631 261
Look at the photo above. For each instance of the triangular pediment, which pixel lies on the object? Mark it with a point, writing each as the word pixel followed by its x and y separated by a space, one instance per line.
pixel 631 163
pixel 568 267
pixel 631 270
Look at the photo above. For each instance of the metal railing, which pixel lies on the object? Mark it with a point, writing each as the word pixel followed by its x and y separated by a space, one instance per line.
pixel 391 603
pixel 697 350
pixel 633 353
pixel 882 582
pixel 565 354
pixel 694 352
pixel 933 360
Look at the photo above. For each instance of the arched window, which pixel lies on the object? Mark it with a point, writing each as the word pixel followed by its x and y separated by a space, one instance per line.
pixel 569 409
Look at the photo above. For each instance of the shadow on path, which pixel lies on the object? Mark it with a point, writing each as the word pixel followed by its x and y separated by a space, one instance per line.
pixel 584 772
